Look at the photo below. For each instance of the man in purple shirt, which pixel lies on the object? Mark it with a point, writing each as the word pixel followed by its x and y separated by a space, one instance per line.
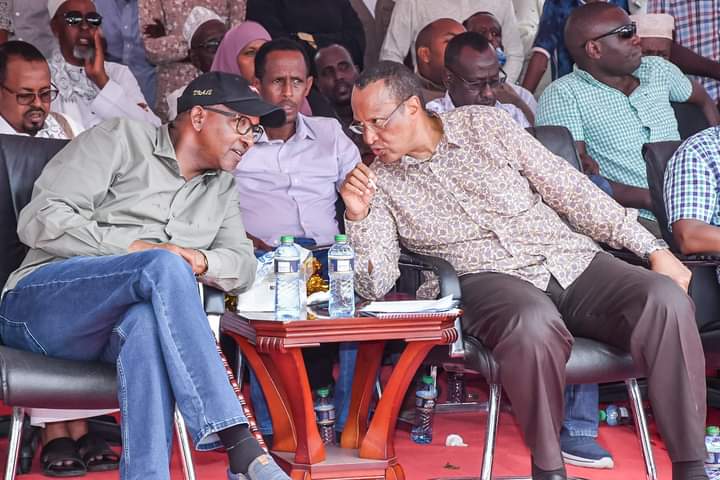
pixel 288 186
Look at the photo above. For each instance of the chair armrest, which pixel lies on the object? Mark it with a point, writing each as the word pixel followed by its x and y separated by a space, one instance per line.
pixel 703 259
pixel 213 300
pixel 34 380
pixel 449 285
pixel 449 281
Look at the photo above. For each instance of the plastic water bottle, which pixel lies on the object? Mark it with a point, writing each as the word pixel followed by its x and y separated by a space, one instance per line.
pixel 341 260
pixel 456 387
pixel 712 445
pixel 287 280
pixel 325 415
pixel 615 415
pixel 424 411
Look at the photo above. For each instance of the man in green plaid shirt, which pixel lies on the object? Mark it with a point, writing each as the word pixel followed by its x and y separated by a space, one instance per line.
pixel 616 101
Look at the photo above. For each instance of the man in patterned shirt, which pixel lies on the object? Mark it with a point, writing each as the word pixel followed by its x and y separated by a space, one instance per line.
pixel 519 225
pixel 692 193
pixel 616 101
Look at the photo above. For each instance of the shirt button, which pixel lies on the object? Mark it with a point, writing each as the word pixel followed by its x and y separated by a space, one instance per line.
pixel 17 14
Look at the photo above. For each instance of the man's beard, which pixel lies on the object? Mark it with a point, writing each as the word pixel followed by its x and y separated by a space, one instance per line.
pixel 84 52
pixel 33 127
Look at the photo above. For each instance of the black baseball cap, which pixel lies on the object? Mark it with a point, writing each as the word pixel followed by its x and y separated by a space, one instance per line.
pixel 233 91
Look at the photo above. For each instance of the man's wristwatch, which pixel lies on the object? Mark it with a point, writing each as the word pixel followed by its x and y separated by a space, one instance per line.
pixel 658 244
pixel 205 260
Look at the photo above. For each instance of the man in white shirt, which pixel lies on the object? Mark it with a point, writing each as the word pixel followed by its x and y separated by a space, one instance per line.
pixel 410 16
pixel 91 90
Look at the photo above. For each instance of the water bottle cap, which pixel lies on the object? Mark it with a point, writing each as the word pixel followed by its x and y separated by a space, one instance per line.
pixel 427 380
pixel 323 392
pixel 602 415
pixel 712 430
pixel 287 239
pixel 340 238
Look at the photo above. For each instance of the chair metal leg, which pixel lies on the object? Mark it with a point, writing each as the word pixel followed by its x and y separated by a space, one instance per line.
pixel 490 434
pixel 185 449
pixel 641 427
pixel 16 425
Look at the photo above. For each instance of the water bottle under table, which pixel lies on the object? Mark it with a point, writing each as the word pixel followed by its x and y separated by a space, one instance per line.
pixel 424 411
pixel 287 280
pixel 325 415
pixel 341 259
pixel 712 445
pixel 456 387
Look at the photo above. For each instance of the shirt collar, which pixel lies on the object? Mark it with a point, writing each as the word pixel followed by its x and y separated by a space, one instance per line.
pixel 588 78
pixel 448 140
pixel 165 150
pixel 303 130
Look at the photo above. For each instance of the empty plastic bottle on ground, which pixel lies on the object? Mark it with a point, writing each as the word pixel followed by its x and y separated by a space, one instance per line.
pixel 341 259
pixel 615 415
pixel 325 415
pixel 287 280
pixel 456 387
pixel 424 411
pixel 712 445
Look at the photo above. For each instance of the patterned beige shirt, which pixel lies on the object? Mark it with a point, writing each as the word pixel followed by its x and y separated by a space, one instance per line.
pixel 491 198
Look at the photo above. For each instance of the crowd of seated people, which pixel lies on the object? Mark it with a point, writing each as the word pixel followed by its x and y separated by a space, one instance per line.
pixel 226 124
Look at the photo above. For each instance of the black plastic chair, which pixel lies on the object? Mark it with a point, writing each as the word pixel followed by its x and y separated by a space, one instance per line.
pixel 31 380
pixel 704 287
pixel 690 119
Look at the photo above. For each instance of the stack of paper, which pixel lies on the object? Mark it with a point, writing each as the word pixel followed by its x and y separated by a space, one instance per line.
pixel 412 306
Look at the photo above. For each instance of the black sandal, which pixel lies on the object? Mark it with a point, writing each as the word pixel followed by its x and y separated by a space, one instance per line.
pixel 97 454
pixel 56 452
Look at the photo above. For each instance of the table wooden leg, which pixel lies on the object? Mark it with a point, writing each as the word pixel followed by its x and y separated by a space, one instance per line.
pixel 395 473
pixel 368 361
pixel 378 442
pixel 284 434
pixel 293 376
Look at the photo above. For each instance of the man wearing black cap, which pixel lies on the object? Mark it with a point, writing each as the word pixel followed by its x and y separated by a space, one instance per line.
pixel 121 223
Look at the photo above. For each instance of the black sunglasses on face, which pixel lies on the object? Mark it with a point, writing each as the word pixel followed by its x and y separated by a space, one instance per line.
pixel 623 31
pixel 211 45
pixel 74 18
pixel 27 98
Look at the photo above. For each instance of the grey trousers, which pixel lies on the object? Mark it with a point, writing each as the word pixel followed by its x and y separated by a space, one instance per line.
pixel 531 333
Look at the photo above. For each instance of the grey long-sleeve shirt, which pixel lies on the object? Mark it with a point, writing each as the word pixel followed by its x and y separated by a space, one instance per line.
pixel 120 182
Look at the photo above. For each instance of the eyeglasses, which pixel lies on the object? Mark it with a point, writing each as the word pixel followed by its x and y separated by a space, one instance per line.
pixel 376 124
pixel 623 31
pixel 480 85
pixel 74 18
pixel 211 45
pixel 27 98
pixel 243 125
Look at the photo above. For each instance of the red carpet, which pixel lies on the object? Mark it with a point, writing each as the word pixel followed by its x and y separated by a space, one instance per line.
pixel 436 460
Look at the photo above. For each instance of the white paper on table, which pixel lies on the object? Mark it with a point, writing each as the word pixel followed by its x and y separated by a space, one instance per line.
pixel 411 306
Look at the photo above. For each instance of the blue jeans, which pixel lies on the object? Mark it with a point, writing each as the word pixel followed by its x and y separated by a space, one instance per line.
pixel 602 183
pixel 581 410
pixel 347 352
pixel 141 311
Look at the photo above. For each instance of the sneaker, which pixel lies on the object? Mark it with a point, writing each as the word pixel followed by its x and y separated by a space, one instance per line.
pixel 265 468
pixel 235 476
pixel 584 452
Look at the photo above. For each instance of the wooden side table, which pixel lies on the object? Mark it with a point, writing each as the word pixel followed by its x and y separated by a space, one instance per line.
pixel 273 350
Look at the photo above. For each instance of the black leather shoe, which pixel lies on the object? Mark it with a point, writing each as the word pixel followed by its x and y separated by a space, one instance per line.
pixel 538 474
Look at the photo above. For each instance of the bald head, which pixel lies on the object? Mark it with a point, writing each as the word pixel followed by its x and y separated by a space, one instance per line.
pixel 597 41
pixel 430 47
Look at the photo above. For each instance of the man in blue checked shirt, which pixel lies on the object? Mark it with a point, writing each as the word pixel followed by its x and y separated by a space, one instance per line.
pixel 692 193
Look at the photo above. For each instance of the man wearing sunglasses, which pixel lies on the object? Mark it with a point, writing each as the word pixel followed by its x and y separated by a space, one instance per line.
pixel 26 93
pixel 123 223
pixel 616 100
pixel 91 89
pixel 203 31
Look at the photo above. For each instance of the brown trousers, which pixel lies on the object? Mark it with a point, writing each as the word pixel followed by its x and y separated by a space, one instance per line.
pixel 531 333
